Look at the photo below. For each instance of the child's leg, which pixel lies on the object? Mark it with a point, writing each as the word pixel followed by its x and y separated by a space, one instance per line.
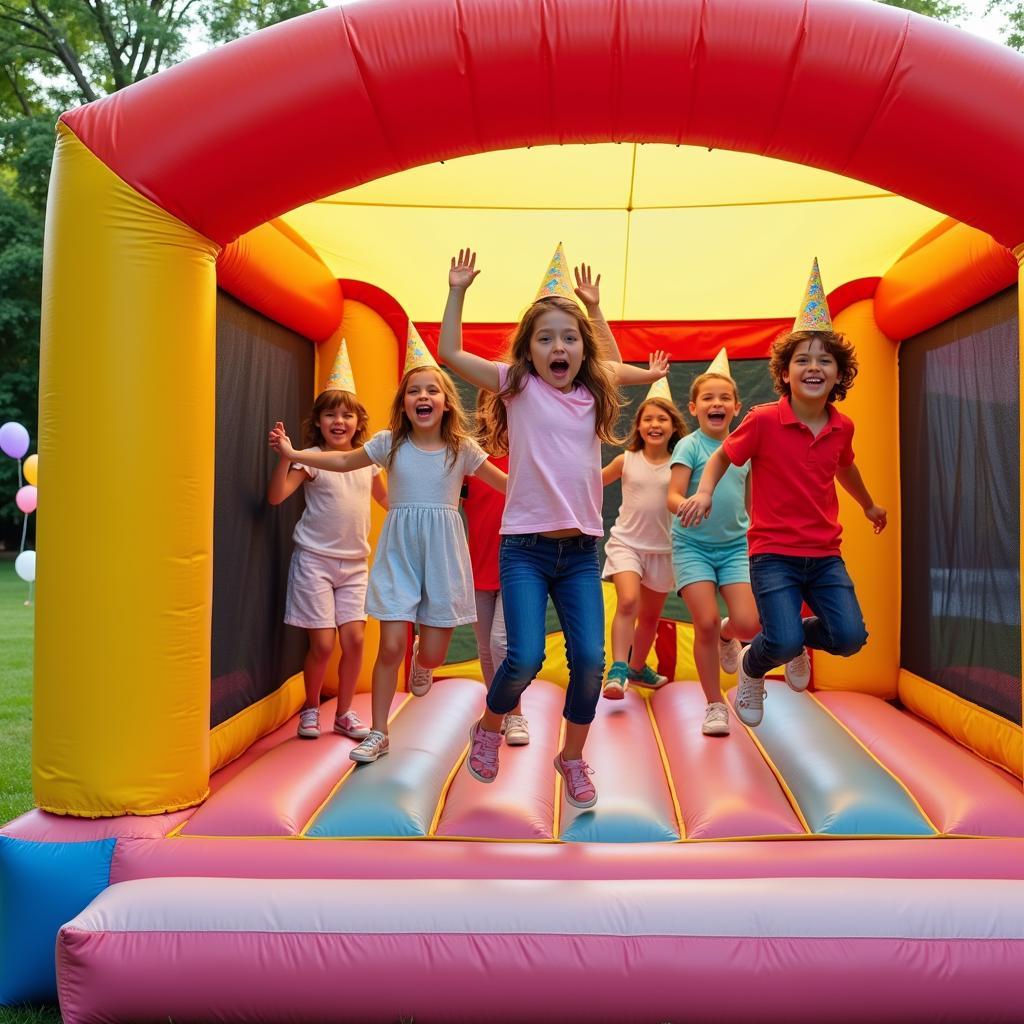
pixel 701 600
pixel 648 614
pixel 526 563
pixel 743 621
pixel 351 636
pixel 390 655
pixel 433 648
pixel 321 645
pixel 499 642
pixel 576 594
pixel 777 584
pixel 627 607
pixel 838 624
pixel 486 601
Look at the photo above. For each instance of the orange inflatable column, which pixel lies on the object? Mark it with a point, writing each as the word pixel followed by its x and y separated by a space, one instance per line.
pixel 872 560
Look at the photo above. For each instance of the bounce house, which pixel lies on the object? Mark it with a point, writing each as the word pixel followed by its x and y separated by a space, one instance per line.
pixel 215 232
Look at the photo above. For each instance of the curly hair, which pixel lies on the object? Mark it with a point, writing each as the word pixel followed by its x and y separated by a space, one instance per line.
pixel 593 375
pixel 835 344
pixel 635 442
pixel 454 429
pixel 326 401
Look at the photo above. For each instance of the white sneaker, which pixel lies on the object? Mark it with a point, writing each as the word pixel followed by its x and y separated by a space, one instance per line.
pixel 516 730
pixel 375 745
pixel 716 720
pixel 728 651
pixel 798 672
pixel 351 725
pixel 749 695
pixel 420 679
pixel 309 723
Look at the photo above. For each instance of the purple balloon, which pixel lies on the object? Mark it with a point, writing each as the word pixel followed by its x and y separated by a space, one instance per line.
pixel 26 499
pixel 13 439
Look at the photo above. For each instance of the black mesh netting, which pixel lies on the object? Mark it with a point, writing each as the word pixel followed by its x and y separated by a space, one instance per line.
pixel 960 480
pixel 264 373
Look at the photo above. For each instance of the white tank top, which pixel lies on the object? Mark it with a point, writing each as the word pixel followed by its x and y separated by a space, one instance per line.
pixel 644 521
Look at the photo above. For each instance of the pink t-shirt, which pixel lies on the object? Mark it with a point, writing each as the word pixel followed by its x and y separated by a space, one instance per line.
pixel 554 460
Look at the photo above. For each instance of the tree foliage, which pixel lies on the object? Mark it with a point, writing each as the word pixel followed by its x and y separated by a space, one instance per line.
pixel 940 9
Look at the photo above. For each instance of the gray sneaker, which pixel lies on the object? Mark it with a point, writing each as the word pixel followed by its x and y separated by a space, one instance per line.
pixel 375 745
pixel 420 679
pixel 728 651
pixel 798 672
pixel 716 720
pixel 749 696
pixel 309 723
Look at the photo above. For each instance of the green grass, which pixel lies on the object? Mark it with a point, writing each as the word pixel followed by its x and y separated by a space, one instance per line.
pixel 17 629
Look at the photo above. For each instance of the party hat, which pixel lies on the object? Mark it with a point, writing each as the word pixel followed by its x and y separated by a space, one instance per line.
pixel 813 315
pixel 340 378
pixel 417 355
pixel 660 389
pixel 720 364
pixel 556 278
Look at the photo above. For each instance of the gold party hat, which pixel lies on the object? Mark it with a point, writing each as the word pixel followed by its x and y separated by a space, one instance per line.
pixel 813 315
pixel 417 355
pixel 556 278
pixel 340 378
pixel 720 364
pixel 660 389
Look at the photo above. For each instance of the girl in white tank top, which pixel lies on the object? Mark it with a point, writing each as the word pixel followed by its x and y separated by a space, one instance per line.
pixel 638 555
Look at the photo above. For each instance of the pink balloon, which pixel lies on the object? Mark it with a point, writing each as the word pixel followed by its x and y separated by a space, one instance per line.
pixel 27 498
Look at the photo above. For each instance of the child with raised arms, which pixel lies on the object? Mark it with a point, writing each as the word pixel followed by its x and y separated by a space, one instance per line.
pixel 638 555
pixel 558 400
pixel 421 572
pixel 712 560
pixel 328 572
pixel 798 448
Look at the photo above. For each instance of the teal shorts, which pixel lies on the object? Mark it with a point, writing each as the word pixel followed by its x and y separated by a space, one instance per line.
pixel 720 564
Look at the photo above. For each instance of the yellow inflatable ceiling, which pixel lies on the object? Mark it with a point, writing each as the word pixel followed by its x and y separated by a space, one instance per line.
pixel 678 232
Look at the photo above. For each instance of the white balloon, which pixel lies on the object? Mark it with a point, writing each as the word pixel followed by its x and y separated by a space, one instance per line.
pixel 25 566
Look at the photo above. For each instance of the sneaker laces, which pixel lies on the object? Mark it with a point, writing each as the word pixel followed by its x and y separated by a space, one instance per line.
pixel 350 720
pixel 515 722
pixel 484 753
pixel 577 772
pixel 716 712
pixel 309 716
pixel 801 663
pixel 751 692
pixel 374 740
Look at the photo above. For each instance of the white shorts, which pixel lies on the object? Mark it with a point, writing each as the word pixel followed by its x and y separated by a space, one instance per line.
pixel 325 592
pixel 653 567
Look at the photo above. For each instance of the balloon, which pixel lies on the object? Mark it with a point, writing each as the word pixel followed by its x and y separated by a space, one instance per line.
pixel 27 498
pixel 31 470
pixel 13 439
pixel 25 566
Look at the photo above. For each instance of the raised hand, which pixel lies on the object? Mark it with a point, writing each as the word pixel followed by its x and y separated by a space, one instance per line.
pixel 463 270
pixel 659 363
pixel 588 291
pixel 278 440
pixel 878 517
pixel 695 509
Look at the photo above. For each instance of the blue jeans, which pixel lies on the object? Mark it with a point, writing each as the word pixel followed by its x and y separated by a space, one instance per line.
pixel 533 567
pixel 781 583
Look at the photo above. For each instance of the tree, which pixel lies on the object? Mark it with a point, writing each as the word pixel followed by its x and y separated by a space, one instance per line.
pixel 931 8
pixel 1013 27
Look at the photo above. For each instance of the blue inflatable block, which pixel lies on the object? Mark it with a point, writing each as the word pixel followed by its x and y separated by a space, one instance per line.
pixel 840 788
pixel 43 886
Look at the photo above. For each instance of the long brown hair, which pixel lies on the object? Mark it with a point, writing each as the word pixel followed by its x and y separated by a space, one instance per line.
pixel 325 402
pixel 454 429
pixel 835 344
pixel 635 442
pixel 486 414
pixel 593 375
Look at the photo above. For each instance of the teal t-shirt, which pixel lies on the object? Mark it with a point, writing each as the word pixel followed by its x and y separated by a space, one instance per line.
pixel 728 520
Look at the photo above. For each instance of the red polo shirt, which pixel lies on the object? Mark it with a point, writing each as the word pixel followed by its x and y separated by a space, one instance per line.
pixel 795 510
pixel 483 506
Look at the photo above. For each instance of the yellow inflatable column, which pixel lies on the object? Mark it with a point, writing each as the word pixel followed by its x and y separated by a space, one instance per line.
pixel 873 561
pixel 125 530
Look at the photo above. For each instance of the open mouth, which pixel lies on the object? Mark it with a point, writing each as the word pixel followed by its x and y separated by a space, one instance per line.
pixel 655 434
pixel 716 418
pixel 813 382
pixel 424 410
pixel 559 366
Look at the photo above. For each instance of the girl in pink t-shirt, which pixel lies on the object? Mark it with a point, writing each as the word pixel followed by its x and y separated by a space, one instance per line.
pixel 555 399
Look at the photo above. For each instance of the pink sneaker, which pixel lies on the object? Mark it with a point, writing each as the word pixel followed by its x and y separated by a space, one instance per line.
pixel 483 753
pixel 351 725
pixel 579 790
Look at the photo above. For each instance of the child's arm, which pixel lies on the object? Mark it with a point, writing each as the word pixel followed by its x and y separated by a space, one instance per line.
pixel 336 462
pixel 284 481
pixel 613 471
pixel 379 490
pixel 698 507
pixel 488 473
pixel 852 482
pixel 678 485
pixel 748 495
pixel 472 368
pixel 626 374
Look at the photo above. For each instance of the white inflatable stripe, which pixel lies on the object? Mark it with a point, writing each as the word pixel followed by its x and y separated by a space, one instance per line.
pixel 772 907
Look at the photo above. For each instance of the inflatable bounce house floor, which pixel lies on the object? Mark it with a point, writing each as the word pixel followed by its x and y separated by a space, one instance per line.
pixel 846 851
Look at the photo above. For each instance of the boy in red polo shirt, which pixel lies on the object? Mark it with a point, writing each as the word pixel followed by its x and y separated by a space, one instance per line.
pixel 798 447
